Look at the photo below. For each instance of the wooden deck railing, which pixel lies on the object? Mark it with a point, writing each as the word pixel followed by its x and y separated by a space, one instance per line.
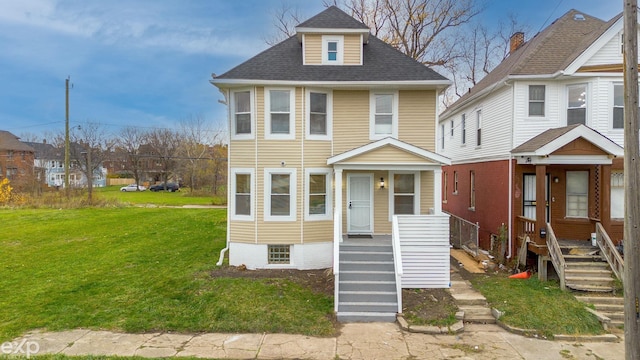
pixel 525 227
pixel 556 255
pixel 610 252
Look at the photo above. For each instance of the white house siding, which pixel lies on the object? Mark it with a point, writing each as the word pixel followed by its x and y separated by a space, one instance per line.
pixel 611 53
pixel 602 119
pixel 526 127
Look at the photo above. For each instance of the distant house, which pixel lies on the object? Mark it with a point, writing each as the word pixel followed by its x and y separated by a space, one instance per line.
pixel 16 160
pixel 539 140
pixel 332 144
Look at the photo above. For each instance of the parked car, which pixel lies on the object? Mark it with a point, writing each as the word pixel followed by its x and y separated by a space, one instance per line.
pixel 133 187
pixel 160 187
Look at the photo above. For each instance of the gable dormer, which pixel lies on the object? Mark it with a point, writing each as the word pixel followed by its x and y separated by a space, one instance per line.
pixel 332 38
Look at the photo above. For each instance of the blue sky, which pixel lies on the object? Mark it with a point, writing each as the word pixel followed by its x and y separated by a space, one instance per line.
pixel 148 63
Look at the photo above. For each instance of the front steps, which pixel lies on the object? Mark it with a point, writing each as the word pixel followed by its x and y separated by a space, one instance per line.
pixel 609 306
pixel 471 302
pixel 586 270
pixel 366 282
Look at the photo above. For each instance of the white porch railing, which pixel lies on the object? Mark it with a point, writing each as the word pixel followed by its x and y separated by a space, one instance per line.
pixel 337 238
pixel 397 260
pixel 610 252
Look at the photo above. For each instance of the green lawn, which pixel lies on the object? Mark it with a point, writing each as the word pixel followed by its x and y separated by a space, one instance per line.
pixel 163 198
pixel 138 269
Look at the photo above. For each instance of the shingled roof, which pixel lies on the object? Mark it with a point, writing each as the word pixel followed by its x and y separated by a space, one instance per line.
pixel 8 141
pixel 283 62
pixel 547 53
pixel 46 151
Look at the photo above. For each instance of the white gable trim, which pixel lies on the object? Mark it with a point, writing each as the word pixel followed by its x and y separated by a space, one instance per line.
pixel 392 142
pixel 306 30
pixel 611 32
pixel 584 132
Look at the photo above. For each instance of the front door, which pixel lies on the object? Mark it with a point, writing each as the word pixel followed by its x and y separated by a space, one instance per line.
pixel 359 204
pixel 529 197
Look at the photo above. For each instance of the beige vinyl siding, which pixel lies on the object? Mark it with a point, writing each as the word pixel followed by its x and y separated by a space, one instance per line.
pixel 352 50
pixel 381 223
pixel 318 231
pixel 243 153
pixel 386 155
pixel 350 119
pixel 279 232
pixel 426 191
pixel 312 49
pixel 416 118
pixel 242 231
pixel 316 153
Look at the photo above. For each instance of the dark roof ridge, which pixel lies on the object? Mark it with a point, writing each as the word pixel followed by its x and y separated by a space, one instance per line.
pixel 333 17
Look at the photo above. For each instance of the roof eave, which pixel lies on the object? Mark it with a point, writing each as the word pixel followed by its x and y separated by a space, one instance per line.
pixel 422 84
pixel 330 31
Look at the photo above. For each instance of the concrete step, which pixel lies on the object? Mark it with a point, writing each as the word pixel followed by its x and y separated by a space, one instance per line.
pixel 357 285
pixel 367 266
pixel 387 307
pixel 366 248
pixel 477 314
pixel 365 256
pixel 591 288
pixel 367 296
pixel 602 299
pixel 350 275
pixel 366 317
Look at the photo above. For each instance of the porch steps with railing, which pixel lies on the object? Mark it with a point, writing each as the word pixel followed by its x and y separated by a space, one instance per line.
pixel 366 282
pixel 610 306
pixel 585 269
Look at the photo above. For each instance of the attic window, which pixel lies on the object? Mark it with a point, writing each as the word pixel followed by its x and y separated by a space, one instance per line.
pixel 579 17
pixel 332 49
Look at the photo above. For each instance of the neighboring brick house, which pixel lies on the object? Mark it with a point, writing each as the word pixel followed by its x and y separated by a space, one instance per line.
pixel 539 139
pixel 16 160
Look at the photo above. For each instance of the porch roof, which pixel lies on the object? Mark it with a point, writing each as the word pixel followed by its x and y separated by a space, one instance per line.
pixel 388 153
pixel 541 148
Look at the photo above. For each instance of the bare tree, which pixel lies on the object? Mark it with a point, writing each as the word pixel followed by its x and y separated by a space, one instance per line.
pixel 165 144
pixel 90 146
pixel 197 151
pixel 285 20
pixel 130 140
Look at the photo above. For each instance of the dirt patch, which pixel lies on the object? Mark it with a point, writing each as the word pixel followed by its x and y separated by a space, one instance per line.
pixel 427 305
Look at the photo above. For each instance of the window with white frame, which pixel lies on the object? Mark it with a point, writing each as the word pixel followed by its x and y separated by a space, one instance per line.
pixel 319 115
pixel 384 115
pixel 577 104
pixel 577 194
pixel 318 194
pixel 243 192
pixel 442 136
pixel 332 49
pixel 479 127
pixel 452 124
pixel 280 194
pixel 536 100
pixel 618 106
pixel 279 113
pixel 405 193
pixel 463 130
pixel 242 122
pixel 617 195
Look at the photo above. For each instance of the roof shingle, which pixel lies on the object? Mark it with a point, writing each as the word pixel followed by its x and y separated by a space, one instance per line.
pixel 332 18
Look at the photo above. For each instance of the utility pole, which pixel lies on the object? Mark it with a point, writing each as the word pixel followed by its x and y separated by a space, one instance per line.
pixel 66 139
pixel 631 183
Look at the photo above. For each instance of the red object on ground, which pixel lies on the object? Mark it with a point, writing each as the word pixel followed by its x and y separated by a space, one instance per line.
pixel 522 275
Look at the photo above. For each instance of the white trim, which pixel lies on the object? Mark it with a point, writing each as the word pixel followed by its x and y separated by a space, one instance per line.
pixel 329 94
pixel 585 132
pixel 362 50
pixel 351 85
pixel 339 40
pixel 232 115
pixel 300 31
pixel 612 100
pixel 416 192
pixel 328 191
pixel 371 204
pixel 565 160
pixel 292 114
pixel 232 198
pixel 595 46
pixel 372 114
pixel 303 40
pixel 292 194
pixel 428 155
pixel 544 102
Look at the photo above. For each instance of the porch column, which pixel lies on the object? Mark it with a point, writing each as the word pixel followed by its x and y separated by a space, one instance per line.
pixel 541 219
pixel 337 181
pixel 437 191
pixel 605 197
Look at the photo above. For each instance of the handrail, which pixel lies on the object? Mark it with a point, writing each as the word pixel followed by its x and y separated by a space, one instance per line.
pixel 397 260
pixel 556 255
pixel 610 252
pixel 525 227
pixel 337 237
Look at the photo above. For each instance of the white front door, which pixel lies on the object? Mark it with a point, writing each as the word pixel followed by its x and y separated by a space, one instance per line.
pixel 359 204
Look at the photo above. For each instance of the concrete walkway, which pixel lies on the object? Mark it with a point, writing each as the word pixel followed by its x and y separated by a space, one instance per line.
pixel 356 341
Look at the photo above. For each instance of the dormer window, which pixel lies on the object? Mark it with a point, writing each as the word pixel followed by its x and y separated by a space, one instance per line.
pixel 332 49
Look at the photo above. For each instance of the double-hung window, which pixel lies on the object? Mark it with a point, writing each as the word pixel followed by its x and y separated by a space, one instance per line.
pixel 405 193
pixel 479 127
pixel 577 104
pixel 463 130
pixel 536 100
pixel 319 115
pixel 384 115
pixel 618 106
pixel 318 194
pixel 617 195
pixel 577 194
pixel 242 123
pixel 472 190
pixel 332 49
pixel 279 113
pixel 242 189
pixel 442 136
pixel 280 194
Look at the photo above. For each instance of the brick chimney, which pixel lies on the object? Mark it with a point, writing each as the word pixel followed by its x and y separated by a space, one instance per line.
pixel 516 40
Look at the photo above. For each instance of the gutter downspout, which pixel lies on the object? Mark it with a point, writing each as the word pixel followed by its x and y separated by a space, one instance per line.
pixel 226 248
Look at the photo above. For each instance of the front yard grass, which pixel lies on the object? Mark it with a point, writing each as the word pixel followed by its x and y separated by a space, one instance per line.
pixel 537 305
pixel 138 270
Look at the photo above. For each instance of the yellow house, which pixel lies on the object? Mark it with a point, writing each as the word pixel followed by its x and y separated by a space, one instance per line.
pixel 332 144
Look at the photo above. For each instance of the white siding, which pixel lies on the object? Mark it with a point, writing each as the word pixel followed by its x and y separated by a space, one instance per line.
pixel 526 127
pixel 424 244
pixel 610 53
